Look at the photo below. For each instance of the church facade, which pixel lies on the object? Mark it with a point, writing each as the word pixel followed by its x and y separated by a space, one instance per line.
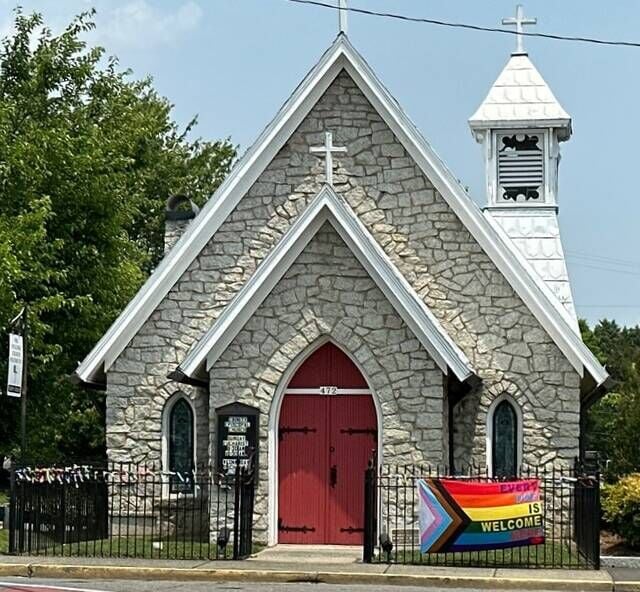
pixel 343 285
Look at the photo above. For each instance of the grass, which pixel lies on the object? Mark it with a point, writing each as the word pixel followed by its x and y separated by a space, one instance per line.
pixel 4 541
pixel 550 554
pixel 136 547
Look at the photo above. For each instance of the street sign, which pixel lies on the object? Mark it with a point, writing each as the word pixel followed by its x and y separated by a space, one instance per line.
pixel 16 361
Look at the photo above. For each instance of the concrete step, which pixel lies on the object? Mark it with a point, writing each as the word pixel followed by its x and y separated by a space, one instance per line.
pixel 309 554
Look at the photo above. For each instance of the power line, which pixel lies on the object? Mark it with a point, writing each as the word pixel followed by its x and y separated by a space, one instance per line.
pixel 603 268
pixel 604 259
pixel 468 26
pixel 608 305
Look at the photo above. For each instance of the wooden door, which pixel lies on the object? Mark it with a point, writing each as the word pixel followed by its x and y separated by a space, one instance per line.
pixel 325 443
pixel 353 438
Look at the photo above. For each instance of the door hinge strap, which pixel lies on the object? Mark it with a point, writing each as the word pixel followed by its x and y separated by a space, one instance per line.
pixel 303 529
pixel 351 530
pixel 352 431
pixel 288 430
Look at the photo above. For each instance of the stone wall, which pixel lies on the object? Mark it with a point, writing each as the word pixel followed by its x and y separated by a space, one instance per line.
pixel 326 292
pixel 422 236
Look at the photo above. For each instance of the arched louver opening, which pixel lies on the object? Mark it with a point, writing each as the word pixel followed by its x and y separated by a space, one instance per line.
pixel 521 167
pixel 505 443
pixel 181 447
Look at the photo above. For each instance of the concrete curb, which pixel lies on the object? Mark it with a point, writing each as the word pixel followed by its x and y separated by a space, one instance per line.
pixel 95 572
pixel 627 587
pixel 620 561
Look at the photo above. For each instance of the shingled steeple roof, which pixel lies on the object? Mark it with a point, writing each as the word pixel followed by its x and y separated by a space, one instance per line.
pixel 520 97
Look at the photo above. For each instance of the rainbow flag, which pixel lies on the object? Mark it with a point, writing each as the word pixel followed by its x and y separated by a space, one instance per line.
pixel 457 515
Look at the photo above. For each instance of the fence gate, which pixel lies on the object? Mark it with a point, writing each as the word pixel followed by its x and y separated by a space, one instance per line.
pixel 562 532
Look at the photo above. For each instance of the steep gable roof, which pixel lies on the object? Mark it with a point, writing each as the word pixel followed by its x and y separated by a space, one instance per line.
pixel 327 206
pixel 520 96
pixel 341 55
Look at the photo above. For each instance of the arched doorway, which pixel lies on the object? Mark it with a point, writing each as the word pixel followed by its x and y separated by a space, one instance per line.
pixel 326 435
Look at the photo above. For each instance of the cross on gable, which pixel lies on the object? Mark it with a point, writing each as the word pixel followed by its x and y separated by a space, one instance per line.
pixel 519 21
pixel 327 151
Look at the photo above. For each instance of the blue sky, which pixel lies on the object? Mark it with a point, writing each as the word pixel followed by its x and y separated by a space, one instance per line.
pixel 233 63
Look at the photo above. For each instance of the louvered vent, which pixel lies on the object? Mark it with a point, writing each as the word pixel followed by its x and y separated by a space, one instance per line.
pixel 520 167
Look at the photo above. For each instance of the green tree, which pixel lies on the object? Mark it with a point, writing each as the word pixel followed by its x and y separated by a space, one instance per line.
pixel 613 423
pixel 88 157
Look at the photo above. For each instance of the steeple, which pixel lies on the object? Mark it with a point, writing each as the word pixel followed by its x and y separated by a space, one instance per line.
pixel 520 124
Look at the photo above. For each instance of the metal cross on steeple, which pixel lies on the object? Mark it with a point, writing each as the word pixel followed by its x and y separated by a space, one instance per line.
pixel 327 150
pixel 519 21
pixel 342 16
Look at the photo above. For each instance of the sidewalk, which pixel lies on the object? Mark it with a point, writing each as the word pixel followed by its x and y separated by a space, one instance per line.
pixel 618 579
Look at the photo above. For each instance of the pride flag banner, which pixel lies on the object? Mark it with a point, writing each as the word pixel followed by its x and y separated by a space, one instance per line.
pixel 459 515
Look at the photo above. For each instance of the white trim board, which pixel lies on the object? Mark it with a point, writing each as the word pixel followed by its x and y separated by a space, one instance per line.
pixel 327 206
pixel 321 390
pixel 341 55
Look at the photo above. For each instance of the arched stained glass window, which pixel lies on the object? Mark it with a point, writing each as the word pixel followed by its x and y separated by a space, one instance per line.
pixel 180 446
pixel 505 443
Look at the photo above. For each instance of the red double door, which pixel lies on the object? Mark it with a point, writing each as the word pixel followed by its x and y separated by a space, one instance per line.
pixel 327 433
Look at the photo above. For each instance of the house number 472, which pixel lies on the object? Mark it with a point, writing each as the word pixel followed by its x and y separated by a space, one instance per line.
pixel 328 390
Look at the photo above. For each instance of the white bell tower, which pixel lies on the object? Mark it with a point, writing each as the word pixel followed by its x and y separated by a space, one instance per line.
pixel 520 124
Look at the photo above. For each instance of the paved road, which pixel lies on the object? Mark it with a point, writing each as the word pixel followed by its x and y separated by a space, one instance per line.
pixel 41 585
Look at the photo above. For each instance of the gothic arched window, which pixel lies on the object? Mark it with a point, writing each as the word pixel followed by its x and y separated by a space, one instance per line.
pixel 180 447
pixel 504 445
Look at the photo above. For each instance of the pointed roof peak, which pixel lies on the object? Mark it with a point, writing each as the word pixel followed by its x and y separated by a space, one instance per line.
pixel 520 97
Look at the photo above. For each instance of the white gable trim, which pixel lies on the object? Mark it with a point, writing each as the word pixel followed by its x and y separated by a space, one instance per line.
pixel 327 206
pixel 340 55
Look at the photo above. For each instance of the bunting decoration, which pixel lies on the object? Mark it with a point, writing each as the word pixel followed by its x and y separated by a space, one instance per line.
pixel 456 515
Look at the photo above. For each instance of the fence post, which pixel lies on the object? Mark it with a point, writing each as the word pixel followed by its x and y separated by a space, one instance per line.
pixel 13 523
pixel 369 513
pixel 236 511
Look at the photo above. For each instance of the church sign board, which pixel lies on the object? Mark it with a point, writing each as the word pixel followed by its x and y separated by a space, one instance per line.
pixel 237 437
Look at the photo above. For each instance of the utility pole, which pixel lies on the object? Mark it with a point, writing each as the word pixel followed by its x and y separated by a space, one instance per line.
pixel 25 378
pixel 17 384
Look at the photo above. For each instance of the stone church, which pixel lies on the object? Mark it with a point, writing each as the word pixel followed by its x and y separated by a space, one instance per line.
pixel 343 291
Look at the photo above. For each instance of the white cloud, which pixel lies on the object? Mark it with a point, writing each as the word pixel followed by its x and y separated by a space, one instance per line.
pixel 141 24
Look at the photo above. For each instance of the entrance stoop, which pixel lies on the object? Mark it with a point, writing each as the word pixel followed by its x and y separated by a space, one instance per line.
pixel 310 554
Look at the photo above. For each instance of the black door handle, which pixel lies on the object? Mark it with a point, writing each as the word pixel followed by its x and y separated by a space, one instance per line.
pixel 333 475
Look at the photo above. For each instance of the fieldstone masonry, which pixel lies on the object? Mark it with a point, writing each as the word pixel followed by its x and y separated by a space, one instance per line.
pixel 326 292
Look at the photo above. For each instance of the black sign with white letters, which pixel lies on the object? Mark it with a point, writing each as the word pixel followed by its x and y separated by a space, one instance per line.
pixel 237 437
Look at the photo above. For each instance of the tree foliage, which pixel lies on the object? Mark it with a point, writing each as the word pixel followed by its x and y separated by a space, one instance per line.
pixel 613 423
pixel 88 157
pixel 621 508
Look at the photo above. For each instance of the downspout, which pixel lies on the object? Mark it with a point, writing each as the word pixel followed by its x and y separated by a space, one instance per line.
pixel 586 402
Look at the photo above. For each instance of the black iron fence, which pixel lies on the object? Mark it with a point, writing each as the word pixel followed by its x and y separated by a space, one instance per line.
pixel 131 510
pixel 569 522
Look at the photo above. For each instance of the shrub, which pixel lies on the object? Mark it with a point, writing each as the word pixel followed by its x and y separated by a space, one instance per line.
pixel 621 508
